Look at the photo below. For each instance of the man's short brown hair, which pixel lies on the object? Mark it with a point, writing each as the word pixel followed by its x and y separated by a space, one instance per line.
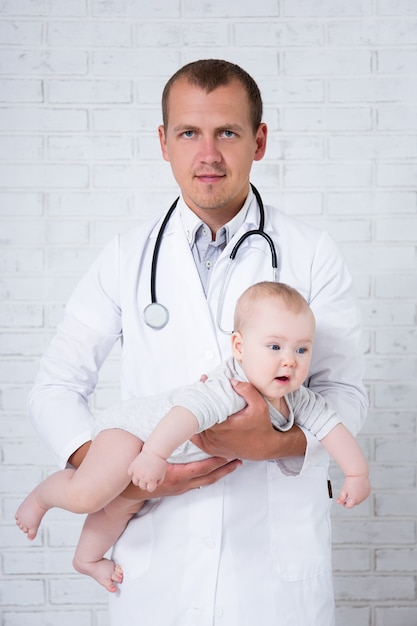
pixel 208 74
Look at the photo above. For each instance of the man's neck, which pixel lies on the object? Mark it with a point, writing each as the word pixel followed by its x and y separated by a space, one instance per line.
pixel 232 220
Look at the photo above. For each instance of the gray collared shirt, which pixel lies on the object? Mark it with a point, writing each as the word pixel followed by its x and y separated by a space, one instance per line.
pixel 205 250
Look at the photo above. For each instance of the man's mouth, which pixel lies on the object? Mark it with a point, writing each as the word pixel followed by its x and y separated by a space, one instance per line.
pixel 209 178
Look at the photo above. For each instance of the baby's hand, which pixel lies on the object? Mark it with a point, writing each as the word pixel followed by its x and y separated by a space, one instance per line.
pixel 354 491
pixel 147 470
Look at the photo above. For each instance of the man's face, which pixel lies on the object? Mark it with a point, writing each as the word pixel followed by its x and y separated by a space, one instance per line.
pixel 210 144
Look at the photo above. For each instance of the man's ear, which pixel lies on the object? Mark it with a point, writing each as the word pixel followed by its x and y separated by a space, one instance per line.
pixel 237 345
pixel 163 143
pixel 261 135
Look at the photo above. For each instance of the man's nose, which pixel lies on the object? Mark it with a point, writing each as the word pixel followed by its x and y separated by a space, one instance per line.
pixel 209 150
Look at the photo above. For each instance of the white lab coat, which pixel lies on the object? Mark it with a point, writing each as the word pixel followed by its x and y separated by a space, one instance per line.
pixel 254 548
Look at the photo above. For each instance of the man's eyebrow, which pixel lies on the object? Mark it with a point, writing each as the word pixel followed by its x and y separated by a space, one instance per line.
pixel 184 127
pixel 232 127
pixel 235 127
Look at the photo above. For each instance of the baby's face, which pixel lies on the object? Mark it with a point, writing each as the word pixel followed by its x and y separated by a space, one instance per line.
pixel 275 347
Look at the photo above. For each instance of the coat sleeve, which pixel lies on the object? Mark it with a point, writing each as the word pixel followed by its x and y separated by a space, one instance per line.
pixel 337 365
pixel 68 373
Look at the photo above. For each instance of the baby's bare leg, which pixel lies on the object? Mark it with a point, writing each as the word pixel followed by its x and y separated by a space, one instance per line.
pixel 100 478
pixel 101 530
pixel 30 513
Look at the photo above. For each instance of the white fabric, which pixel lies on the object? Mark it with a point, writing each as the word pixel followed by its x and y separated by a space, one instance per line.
pixel 254 548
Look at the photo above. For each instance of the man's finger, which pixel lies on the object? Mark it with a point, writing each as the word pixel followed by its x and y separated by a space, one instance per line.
pixel 220 472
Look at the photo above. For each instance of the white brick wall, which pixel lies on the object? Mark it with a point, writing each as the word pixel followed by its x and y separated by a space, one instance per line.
pixel 80 85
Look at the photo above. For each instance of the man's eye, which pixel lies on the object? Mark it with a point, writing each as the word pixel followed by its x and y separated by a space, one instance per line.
pixel 188 134
pixel 228 133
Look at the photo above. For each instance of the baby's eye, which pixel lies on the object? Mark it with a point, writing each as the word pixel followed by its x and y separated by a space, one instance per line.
pixel 301 350
pixel 274 346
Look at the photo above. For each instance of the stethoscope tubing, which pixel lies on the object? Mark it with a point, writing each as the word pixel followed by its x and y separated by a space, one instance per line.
pixel 157 247
pixel 156 315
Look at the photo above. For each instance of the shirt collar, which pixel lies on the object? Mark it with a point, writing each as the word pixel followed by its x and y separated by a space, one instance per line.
pixel 191 222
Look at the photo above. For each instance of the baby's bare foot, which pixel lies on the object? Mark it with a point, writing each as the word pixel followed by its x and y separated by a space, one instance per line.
pixel 29 515
pixel 105 572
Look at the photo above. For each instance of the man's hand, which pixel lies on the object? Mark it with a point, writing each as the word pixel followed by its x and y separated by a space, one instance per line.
pixel 249 434
pixel 181 477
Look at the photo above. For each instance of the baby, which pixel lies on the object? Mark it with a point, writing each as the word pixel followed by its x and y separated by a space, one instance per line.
pixel 271 348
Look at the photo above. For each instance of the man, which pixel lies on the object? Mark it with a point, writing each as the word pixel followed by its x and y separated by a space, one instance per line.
pixel 253 545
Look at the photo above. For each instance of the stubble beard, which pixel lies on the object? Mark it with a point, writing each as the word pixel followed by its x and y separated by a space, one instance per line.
pixel 212 199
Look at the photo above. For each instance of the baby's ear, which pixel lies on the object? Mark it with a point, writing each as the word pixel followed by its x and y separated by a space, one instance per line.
pixel 237 343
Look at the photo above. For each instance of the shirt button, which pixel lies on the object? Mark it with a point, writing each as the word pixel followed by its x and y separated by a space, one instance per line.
pixel 209 354
pixel 218 611
pixel 208 264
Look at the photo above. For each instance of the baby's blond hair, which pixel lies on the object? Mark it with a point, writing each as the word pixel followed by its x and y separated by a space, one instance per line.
pixel 290 297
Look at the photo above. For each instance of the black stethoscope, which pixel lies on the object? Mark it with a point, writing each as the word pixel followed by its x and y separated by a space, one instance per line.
pixel 156 315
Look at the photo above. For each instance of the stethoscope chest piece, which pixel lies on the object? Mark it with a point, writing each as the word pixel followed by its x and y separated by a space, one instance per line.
pixel 156 315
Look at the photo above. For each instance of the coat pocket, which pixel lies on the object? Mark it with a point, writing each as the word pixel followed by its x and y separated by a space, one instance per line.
pixel 299 523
